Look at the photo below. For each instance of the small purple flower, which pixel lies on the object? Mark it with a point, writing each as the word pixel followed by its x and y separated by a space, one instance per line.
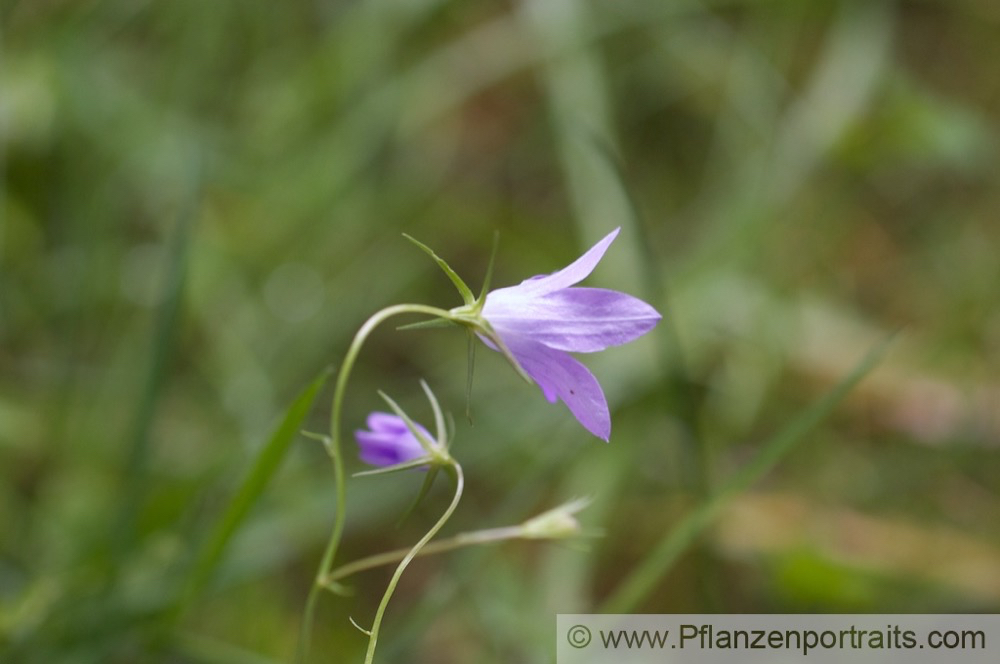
pixel 389 441
pixel 544 318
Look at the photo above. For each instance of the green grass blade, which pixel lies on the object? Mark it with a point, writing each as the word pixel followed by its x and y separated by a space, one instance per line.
pixel 644 578
pixel 135 469
pixel 264 468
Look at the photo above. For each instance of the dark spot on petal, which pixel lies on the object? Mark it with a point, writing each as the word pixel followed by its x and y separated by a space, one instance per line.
pixel 572 392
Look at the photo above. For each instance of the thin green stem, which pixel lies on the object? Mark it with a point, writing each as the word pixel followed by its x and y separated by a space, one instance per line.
pixel 487 536
pixel 456 471
pixel 338 463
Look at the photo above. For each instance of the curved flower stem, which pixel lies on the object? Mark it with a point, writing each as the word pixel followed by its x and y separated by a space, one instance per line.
pixel 333 449
pixel 455 471
pixel 462 540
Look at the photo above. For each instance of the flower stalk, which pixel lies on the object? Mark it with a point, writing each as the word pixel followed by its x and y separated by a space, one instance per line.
pixel 555 524
pixel 455 471
pixel 333 447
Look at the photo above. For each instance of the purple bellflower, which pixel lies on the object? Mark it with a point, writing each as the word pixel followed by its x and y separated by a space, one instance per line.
pixel 389 441
pixel 544 318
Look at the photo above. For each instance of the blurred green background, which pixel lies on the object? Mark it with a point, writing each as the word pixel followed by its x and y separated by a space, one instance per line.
pixel 202 201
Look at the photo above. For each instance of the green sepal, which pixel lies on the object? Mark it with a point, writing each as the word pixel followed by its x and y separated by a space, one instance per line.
pixel 406 465
pixel 428 445
pixel 498 342
pixel 463 289
pixel 338 588
pixel 439 430
pixel 427 324
pixel 481 300
pixel 323 438
pixel 450 430
pixel 424 490
pixel 469 375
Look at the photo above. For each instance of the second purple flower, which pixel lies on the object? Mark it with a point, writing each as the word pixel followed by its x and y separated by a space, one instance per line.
pixel 388 441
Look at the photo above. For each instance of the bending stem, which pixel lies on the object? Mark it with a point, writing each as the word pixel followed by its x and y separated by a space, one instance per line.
pixel 338 463
pixel 456 471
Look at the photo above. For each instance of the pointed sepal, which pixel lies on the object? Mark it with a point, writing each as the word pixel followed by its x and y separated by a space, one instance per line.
pixel 463 289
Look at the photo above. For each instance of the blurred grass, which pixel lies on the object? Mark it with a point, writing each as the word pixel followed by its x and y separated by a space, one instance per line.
pixel 793 179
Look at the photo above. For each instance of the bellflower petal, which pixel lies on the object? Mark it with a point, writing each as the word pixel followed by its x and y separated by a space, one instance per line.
pixel 542 318
pixel 562 377
pixel 570 275
pixel 389 441
pixel 580 320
